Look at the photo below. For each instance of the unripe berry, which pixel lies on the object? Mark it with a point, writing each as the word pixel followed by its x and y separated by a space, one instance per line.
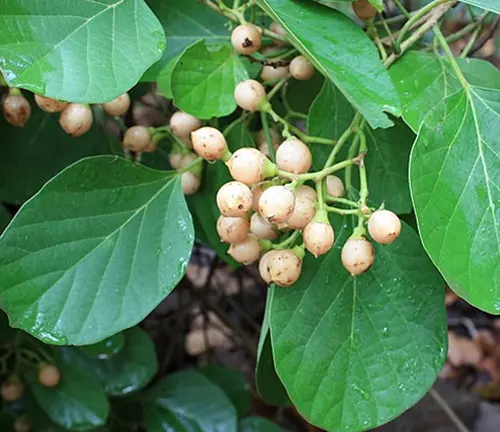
pixel 182 124
pixel 301 69
pixel 246 39
pixel 49 375
pixel 137 138
pixel 276 204
pixel 279 30
pixel 76 119
pixel 22 425
pixel 12 389
pixel 49 105
pixel 118 106
pixel 284 267
pixel 232 229
pixel 190 183
pixel 256 193
pixel 16 109
pixel 269 73
pixel 209 143
pixel 294 156
pixel 245 252
pixel 250 166
pixel 318 237
pixel 250 95
pixel 364 9
pixel 334 186
pixel 357 255
pixel 234 199
pixel 384 226
pixel 261 228
pixel 264 265
pixel 305 207
pixel 175 159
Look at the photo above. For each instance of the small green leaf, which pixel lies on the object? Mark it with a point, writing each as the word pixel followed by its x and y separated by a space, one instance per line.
pixel 258 424
pixel 165 79
pixel 106 348
pixel 321 33
pixel 355 352
pixel 53 58
pixel 204 78
pixel 94 251
pixel 491 5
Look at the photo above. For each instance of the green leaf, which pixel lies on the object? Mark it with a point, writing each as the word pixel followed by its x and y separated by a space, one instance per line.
pixel 185 22
pixel 234 385
pixel 355 352
pixel 77 403
pixel 165 79
pixel 94 251
pixel 106 348
pixel 491 5
pixel 172 407
pixel 84 51
pixel 33 154
pixel 321 33
pixel 455 186
pixel 5 217
pixel 204 79
pixel 258 424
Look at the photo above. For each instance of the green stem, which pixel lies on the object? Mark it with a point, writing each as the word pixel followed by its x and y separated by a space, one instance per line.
pixel 342 211
pixel 187 168
pixel 316 175
pixel 341 201
pixel 348 172
pixel 471 42
pixel 342 140
pixel 451 57
pixel 320 189
pixel 393 20
pixel 387 30
pixel 267 135
pixel 372 31
pixel 287 242
pixel 277 87
pixel 363 149
pixel 402 8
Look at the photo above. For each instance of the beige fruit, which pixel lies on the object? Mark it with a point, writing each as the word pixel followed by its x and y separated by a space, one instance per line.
pixel 294 156
pixel 250 95
pixel 234 199
pixel 261 228
pixel 232 229
pixel 209 143
pixel 334 186
pixel 49 105
pixel 16 110
pixel 183 124
pixel 384 226
pixel 301 69
pixel 246 39
pixel 137 138
pixel 276 204
pixel 118 106
pixel 245 252
pixel 357 256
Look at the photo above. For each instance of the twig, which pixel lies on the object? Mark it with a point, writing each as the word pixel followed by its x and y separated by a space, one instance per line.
pixel 449 412
pixel 487 36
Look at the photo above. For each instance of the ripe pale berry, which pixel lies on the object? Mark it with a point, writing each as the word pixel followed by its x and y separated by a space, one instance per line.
pixel 209 143
pixel 250 95
pixel 49 375
pixel 269 73
pixel 246 39
pixel 357 255
pixel 49 105
pixel 305 207
pixel 279 30
pixel 76 119
pixel 118 106
pixel 190 183
pixel 260 139
pixel 294 156
pixel 261 228
pixel 175 159
pixel 284 267
pixel 364 9
pixel 12 389
pixel 245 252
pixel 301 69
pixel 334 186
pixel 264 266
pixel 232 229
pixel 22 425
pixel 276 204
pixel 16 109
pixel 256 193
pixel 384 226
pixel 183 124
pixel 137 138
pixel 151 148
pixel 234 199
pixel 250 166
pixel 318 237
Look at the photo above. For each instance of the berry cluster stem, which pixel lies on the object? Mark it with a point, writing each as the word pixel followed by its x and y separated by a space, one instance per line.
pixel 318 175
pixel 267 135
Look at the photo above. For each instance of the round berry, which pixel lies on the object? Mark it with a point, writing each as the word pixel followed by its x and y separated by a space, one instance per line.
pixel 209 143
pixel 49 375
pixel 137 138
pixel 301 69
pixel 190 183
pixel 187 159
pixel 249 95
pixel 256 193
pixel 234 199
pixel 245 252
pixel 12 389
pixel 260 139
pixel 357 256
pixel 232 229
pixel 304 209
pixel 271 73
pixel 118 106
pixel 364 9
pixel 248 165
pixel 151 148
pixel 246 39
pixel 264 266
pixel 16 110
pixel 279 30
pixel 76 119
pixel 294 156
pixel 276 204
pixel 22 425
pixel 183 124
pixel 284 267
pixel 261 228
pixel 384 226
pixel 334 186
pixel 49 105
pixel 175 159
pixel 318 237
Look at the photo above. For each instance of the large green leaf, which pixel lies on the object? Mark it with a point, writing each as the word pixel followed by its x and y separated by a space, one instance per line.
pixel 33 154
pixel 84 51
pixel 258 424
pixel 492 5
pixel 185 22
pixel 321 34
pixel 106 348
pixel 204 78
pixel 187 401
pixel 355 352
pixel 94 251
pixel 455 183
